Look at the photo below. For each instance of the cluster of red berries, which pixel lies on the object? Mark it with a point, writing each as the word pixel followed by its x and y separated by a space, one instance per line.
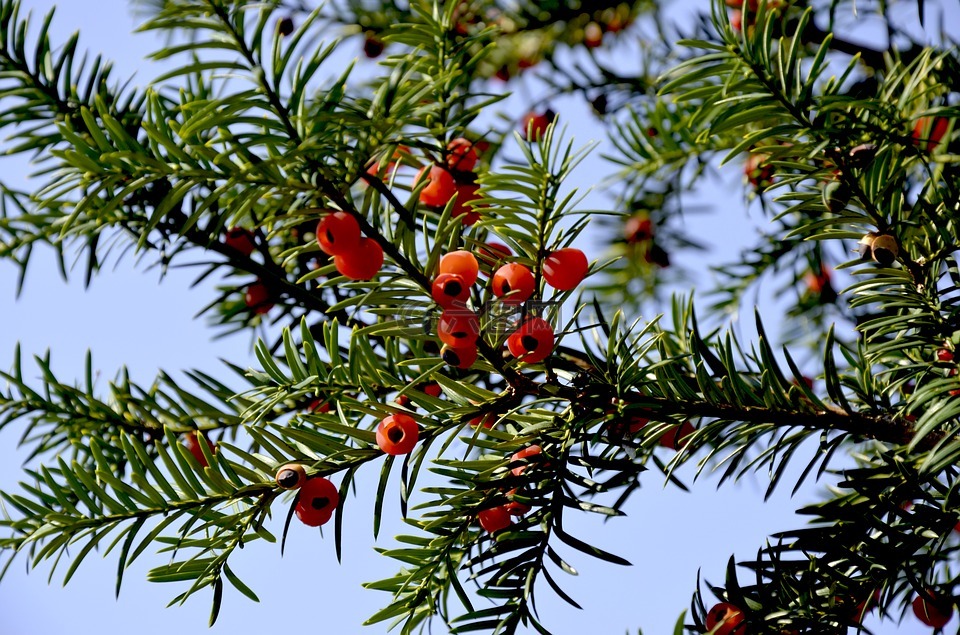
pixel 674 438
pixel 513 284
pixel 500 517
pixel 317 499
pixel 356 257
pixel 455 177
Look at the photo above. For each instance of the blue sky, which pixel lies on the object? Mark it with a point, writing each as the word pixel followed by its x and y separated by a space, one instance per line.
pixel 126 317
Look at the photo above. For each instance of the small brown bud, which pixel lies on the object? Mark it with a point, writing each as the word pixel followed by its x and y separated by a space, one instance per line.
pixel 291 476
pixel 885 249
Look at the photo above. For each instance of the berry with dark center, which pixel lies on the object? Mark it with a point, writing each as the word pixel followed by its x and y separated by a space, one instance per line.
pixel 458 327
pixel 440 186
pixel 461 263
pixel 462 155
pixel 532 342
pixel 450 289
pixel 495 519
pixel 397 434
pixel 363 263
pixel 291 476
pixel 565 268
pixel 524 455
pixel 513 283
pixel 933 611
pixel 372 45
pixel 726 619
pixel 535 124
pixel 241 240
pixel 318 499
pixel 338 234
pixel 193 440
pixel 258 298
pixel 462 357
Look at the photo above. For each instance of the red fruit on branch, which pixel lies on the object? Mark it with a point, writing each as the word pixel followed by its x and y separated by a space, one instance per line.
pixel 521 455
pixel 458 327
pixel 258 298
pixel 461 263
pixel 565 268
pixel 241 240
pixel 450 289
pixel 397 434
pixel 318 499
pixel 461 357
pixel 515 507
pixel 462 155
pixel 494 519
pixel 338 233
pixel 534 125
pixel 466 192
pixel 513 283
pixel 944 355
pixel 440 186
pixel 638 229
pixel 532 342
pixel 933 611
pixel 931 129
pixel 363 263
pixel 487 421
pixel 727 619
pixel 193 440
pixel 492 252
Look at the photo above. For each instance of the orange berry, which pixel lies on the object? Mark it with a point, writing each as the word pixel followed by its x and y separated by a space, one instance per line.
pixel 513 283
pixel 458 327
pixel 317 500
pixel 363 263
pixel 461 155
pixel 397 434
pixel 461 263
pixel 258 297
pixel 565 268
pixel 450 289
pixel 291 476
pixel 241 240
pixel 495 519
pixel 727 619
pixel 532 342
pixel 338 234
pixel 935 612
pixel 440 186
pixel 460 357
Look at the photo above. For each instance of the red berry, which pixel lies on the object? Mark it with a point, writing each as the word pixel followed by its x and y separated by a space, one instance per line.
pixel 466 192
pixel 565 268
pixel 240 240
pixel 397 434
pixel 318 405
pixel 515 507
pixel 495 519
pixel 363 263
pixel 487 421
pixel 758 172
pixel 933 133
pixel 461 263
pixel 440 186
pixel 258 297
pixel 638 229
pixel 461 155
pixel 513 283
pixel 450 289
pixel 458 327
pixel 461 357
pixel 677 436
pixel 192 442
pixel 727 619
pixel 592 35
pixel 493 252
pixel 636 424
pixel 736 20
pixel 525 453
pixel 935 612
pixel 403 400
pixel 433 389
pixel 944 355
pixel 338 234
pixel 318 499
pixel 535 125
pixel 532 342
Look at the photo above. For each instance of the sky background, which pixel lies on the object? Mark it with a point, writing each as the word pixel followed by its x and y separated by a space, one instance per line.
pixel 126 317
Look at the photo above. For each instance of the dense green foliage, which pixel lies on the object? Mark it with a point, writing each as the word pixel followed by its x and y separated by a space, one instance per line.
pixel 257 128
